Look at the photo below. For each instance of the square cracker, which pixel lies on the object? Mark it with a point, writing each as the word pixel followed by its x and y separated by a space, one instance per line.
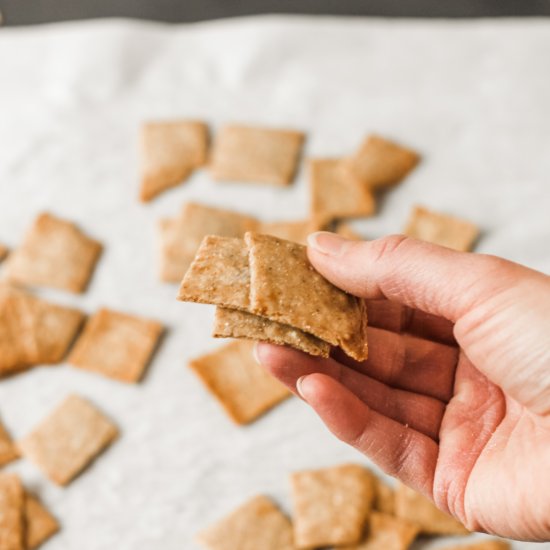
pixel 295 231
pixel 54 253
pixel 441 229
pixel 386 532
pixel 243 153
pixel 334 196
pixel 232 323
pixel 39 522
pixel 12 499
pixel 416 508
pixel 66 441
pixel 116 345
pixel 284 287
pixel 180 237
pixel 8 450
pixel 170 151
pixel 481 545
pixel 3 251
pixel 331 505
pixel 256 525
pixel 243 388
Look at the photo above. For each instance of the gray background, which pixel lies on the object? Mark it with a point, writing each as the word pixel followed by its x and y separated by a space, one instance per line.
pixel 23 12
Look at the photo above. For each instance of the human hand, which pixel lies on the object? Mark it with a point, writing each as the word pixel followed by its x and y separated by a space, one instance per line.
pixel 467 423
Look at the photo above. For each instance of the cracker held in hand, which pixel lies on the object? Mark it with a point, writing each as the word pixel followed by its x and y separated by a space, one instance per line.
pixel 68 440
pixel 256 525
pixel 380 163
pixel 116 345
pixel 39 522
pixel 243 153
pixel 335 196
pixel 12 525
pixel 331 505
pixel 441 229
pixel 171 150
pixel 416 508
pixel 273 279
pixel 54 253
pixel 243 388
pixel 8 450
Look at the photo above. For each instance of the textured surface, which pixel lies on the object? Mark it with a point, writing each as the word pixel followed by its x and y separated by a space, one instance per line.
pixel 68 144
pixel 12 524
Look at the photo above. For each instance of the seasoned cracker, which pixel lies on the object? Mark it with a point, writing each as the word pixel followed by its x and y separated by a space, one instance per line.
pixel 39 522
pixel 11 513
pixel 416 508
pixel 54 253
pixel 331 505
pixel 232 323
pixel 296 231
pixel 335 196
pixel 481 545
pixel 243 388
pixel 116 345
pixel 441 229
pixel 68 439
pixel 380 163
pixel 384 497
pixel 8 450
pixel 284 287
pixel 256 525
pixel 261 155
pixel 3 252
pixel 386 532
pixel 171 150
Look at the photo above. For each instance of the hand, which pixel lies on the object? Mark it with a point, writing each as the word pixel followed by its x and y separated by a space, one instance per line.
pixel 467 425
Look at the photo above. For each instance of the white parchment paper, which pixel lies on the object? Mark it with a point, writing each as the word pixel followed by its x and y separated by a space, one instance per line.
pixel 472 96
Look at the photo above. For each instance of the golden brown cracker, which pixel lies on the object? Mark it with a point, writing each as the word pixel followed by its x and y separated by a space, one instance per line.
pixel 116 345
pixel 481 545
pixel 256 525
pixel 39 522
pixel 68 439
pixel 263 155
pixel 232 323
pixel 284 287
pixel 416 508
pixel 54 253
pixel 334 196
pixel 11 513
pixel 170 151
pixel 8 450
pixel 384 497
pixel 441 229
pixel 295 231
pixel 331 505
pixel 243 388
pixel 380 163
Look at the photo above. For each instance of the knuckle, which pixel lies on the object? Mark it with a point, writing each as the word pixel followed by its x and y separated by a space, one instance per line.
pixel 387 246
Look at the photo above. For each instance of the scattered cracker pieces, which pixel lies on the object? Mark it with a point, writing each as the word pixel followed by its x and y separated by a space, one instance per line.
pixel 8 450
pixel 481 545
pixel 414 507
pixel 256 525
pixel 384 497
pixel 171 150
pixel 239 383
pixel 295 231
pixel 12 524
pixel 116 345
pixel 69 439
pixel 262 155
pixel 3 252
pixel 40 523
pixel 54 253
pixel 334 196
pixel 441 229
pixel 380 163
pixel 345 230
pixel 331 505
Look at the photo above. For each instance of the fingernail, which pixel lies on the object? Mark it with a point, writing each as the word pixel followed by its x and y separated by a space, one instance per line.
pixel 328 243
pixel 299 383
pixel 255 353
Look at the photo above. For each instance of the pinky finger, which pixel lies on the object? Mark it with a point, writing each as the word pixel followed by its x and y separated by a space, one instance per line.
pixel 397 449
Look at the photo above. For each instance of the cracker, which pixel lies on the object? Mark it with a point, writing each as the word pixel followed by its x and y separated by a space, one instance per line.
pixel 243 388
pixel 481 545
pixel 8 450
pixel 54 253
pixel 171 150
pixel 380 163
pixel 331 505
pixel 39 522
pixel 11 513
pixel 68 439
pixel 243 153
pixel 284 287
pixel 3 252
pixel 232 323
pixel 116 345
pixel 295 231
pixel 441 229
pixel 345 230
pixel 334 196
pixel 384 497
pixel 256 525
pixel 414 507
